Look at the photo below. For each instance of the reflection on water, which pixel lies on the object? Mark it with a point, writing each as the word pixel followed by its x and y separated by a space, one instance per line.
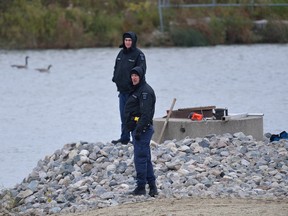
pixel 40 112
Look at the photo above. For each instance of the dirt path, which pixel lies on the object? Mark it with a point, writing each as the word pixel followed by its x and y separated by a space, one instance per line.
pixel 195 207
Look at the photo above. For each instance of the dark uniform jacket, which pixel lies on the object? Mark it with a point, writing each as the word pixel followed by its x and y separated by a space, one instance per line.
pixel 141 103
pixel 125 61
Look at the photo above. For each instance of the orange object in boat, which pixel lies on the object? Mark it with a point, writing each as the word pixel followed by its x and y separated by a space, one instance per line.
pixel 196 116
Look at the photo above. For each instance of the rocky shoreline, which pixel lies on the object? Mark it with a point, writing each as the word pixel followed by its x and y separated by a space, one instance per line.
pixel 84 176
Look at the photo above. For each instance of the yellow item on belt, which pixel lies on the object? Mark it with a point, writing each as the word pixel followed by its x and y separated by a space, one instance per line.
pixel 136 119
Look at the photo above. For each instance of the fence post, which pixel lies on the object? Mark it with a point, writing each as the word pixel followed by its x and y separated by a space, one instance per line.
pixel 160 15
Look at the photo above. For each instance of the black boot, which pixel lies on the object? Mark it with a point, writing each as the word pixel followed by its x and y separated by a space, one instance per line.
pixel 139 190
pixel 125 142
pixel 153 189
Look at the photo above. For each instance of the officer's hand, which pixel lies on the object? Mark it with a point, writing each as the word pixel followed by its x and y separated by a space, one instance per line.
pixel 137 135
pixel 130 126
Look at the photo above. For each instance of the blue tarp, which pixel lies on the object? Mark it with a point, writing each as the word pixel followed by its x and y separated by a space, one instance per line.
pixel 277 137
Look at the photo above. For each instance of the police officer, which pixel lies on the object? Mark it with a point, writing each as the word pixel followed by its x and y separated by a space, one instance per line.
pixel 139 112
pixel 129 57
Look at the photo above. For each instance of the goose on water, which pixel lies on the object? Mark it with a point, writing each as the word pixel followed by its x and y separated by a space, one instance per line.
pixel 44 69
pixel 22 66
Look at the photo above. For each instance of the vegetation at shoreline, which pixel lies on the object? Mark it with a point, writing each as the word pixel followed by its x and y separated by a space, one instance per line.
pixel 45 24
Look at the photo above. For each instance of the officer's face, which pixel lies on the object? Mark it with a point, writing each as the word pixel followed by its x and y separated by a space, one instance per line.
pixel 128 42
pixel 135 79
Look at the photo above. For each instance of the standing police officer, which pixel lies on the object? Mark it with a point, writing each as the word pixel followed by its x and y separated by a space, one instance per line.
pixel 139 112
pixel 128 57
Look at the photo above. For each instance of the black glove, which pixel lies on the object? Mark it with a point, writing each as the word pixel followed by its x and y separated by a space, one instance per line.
pixel 137 135
pixel 130 126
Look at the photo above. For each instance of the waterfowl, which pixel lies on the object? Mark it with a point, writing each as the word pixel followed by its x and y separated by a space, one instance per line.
pixel 22 66
pixel 44 69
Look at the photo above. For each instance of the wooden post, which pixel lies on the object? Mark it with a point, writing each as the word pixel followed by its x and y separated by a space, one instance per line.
pixel 166 121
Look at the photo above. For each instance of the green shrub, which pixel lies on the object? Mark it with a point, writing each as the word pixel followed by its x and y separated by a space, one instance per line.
pixel 217 31
pixel 105 29
pixel 187 37
pixel 238 29
pixel 140 16
pixel 276 32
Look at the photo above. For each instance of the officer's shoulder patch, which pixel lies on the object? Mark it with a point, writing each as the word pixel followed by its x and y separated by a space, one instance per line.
pixel 142 56
pixel 144 95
